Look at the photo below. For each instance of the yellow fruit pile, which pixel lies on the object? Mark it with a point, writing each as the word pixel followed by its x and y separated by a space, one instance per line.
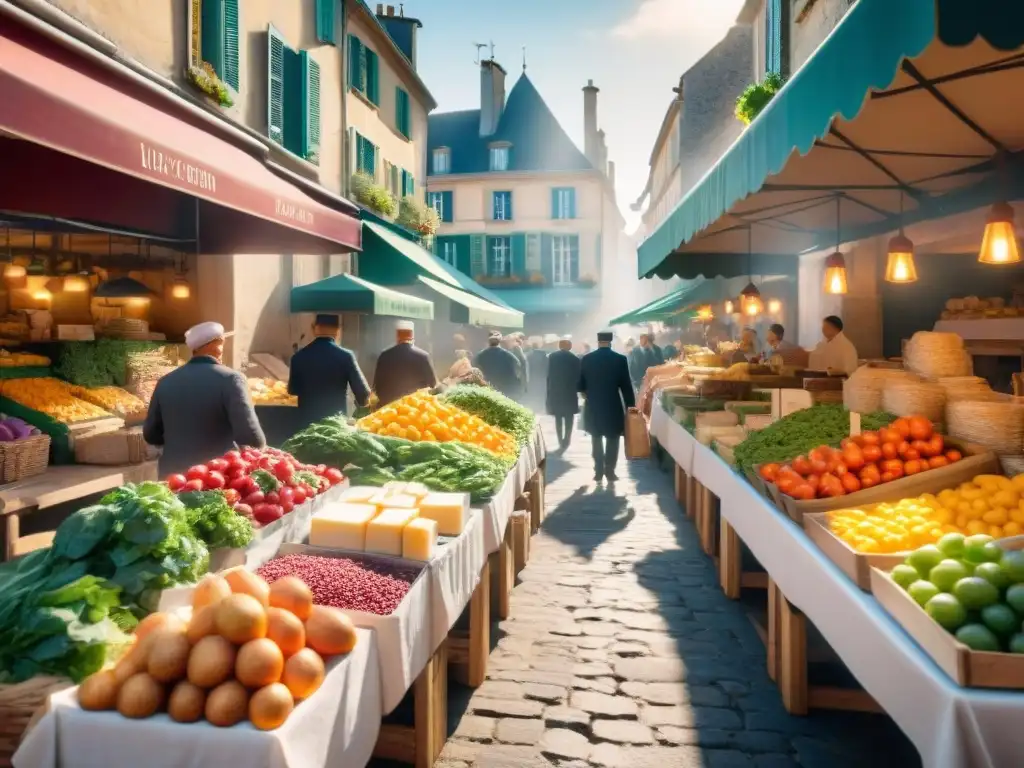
pixel 112 399
pixel 990 504
pixel 22 360
pixel 52 397
pixel 270 392
pixel 422 417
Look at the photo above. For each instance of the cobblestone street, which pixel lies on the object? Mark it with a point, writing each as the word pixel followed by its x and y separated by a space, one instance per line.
pixel 623 651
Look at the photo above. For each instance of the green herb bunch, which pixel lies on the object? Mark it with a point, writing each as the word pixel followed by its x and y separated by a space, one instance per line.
pixel 494 408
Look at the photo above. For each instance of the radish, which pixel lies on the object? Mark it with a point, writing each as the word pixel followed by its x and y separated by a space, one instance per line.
pixel 198 472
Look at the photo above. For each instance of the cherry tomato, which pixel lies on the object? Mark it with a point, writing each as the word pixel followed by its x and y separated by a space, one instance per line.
pixel 176 482
pixel 198 472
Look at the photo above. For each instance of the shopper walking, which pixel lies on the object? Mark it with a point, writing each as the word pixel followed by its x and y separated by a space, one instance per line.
pixel 562 401
pixel 499 366
pixel 537 360
pixel 604 382
pixel 202 409
pixel 403 368
pixel 323 371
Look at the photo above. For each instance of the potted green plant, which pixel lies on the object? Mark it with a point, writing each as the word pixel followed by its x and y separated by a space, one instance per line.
pixel 756 96
pixel 416 215
pixel 373 195
pixel 205 79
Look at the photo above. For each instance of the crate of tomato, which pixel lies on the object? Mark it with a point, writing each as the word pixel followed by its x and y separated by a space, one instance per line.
pixel 905 459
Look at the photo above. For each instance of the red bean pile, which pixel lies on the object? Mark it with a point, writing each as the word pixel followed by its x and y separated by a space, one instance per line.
pixel 343 583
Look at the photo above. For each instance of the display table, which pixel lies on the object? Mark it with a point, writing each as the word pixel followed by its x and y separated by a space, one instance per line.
pixel 336 726
pixel 951 727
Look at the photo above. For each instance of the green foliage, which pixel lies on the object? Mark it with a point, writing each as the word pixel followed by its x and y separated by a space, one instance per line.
pixel 416 215
pixel 99 363
pixel 372 195
pixel 214 521
pixel 756 96
pixel 205 79
pixel 494 408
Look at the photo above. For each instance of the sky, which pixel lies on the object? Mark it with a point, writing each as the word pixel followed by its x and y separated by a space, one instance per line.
pixel 633 50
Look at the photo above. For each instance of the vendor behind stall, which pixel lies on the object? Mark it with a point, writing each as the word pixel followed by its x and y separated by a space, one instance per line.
pixel 403 368
pixel 836 354
pixel 322 373
pixel 202 409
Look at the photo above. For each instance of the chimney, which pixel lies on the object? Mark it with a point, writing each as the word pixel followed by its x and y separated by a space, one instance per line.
pixel 391 10
pixel 590 146
pixel 380 9
pixel 401 29
pixel 492 96
pixel 602 153
pixel 611 173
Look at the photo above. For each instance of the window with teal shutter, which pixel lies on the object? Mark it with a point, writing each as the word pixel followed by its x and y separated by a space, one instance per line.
pixel 275 86
pixel 574 258
pixel 311 91
pixel 447 205
pixel 326 18
pixel 356 64
pixel 563 203
pixel 776 47
pixel 477 265
pixel 366 156
pixel 502 206
pixel 372 76
pixel 230 73
pixel 218 31
pixel 402 117
pixel 294 102
pixel 518 255
pixel 546 249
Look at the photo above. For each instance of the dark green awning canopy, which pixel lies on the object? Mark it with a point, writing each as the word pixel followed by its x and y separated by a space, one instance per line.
pixel 662 307
pixel 472 310
pixel 347 293
pixel 903 107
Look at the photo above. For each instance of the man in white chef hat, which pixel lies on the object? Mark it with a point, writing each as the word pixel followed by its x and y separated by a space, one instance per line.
pixel 203 409
pixel 403 368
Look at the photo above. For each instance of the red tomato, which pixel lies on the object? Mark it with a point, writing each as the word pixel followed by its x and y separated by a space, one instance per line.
pixel 298 495
pixel 872 453
pixel 911 455
pixel 902 447
pixel 902 426
pixel 193 485
pixel 802 466
pixel 309 490
pixel 803 492
pixel 198 472
pixel 284 470
pixel 232 455
pixel 254 498
pixel 853 456
pixel 920 428
pixel 176 482
pixel 936 444
pixel 890 435
pixel 890 450
pixel 218 465
pixel 240 484
pixel 913 466
pixel 244 510
pixel 333 475
pixel 287 495
pixel 214 481
pixel 267 513
pixel 870 438
pixel 231 496
pixel 938 461
pixel 953 455
pixel 768 472
pixel 287 506
pixel 850 482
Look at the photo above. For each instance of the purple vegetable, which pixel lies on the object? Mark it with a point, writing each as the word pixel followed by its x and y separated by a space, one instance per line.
pixel 6 434
pixel 18 427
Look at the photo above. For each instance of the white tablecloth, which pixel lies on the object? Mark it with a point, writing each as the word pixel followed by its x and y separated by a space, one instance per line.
pixel 454 574
pixel 498 510
pixel 336 727
pixel 952 727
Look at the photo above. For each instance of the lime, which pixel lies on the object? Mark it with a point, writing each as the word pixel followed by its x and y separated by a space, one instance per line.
pixel 977 637
pixel 904 575
pixel 1001 619
pixel 1013 566
pixel 980 548
pixel 947 611
pixel 922 591
pixel 975 592
pixel 925 558
pixel 947 573
pixel 1015 598
pixel 1016 644
pixel 992 573
pixel 952 545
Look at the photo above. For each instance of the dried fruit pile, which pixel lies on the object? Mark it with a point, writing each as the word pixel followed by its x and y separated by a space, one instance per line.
pixel 343 583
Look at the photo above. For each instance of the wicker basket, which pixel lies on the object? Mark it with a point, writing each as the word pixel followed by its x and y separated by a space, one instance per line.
pixel 862 392
pixel 937 355
pixel 20 705
pixel 967 388
pixel 998 426
pixel 24 458
pixel 905 397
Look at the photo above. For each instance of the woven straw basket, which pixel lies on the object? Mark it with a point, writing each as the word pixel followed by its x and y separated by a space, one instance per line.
pixel 998 426
pixel 906 397
pixel 24 458
pixel 937 355
pixel 862 392
pixel 967 388
pixel 20 705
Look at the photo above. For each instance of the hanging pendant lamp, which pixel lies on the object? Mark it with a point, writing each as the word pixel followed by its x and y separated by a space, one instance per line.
pixel 835 265
pixel 750 298
pixel 999 243
pixel 774 307
pixel 900 267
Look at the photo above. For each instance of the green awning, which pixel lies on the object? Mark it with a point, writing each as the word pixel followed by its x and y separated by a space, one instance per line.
pixel 390 259
pixel 664 306
pixel 348 293
pixel 866 121
pixel 556 299
pixel 472 310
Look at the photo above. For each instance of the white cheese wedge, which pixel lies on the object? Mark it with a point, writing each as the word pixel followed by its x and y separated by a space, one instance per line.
pixel 449 510
pixel 384 533
pixel 341 526
pixel 419 539
pixel 419 490
pixel 358 494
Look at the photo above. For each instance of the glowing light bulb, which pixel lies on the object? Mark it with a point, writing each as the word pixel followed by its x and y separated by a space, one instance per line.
pixel 999 243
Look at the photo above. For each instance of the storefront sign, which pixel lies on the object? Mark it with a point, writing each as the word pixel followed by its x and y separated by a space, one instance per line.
pixel 289 210
pixel 157 161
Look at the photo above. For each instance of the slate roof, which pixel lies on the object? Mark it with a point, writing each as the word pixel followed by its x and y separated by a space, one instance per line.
pixel 538 141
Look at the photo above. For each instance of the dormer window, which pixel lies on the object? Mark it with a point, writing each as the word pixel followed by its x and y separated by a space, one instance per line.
pixel 499 157
pixel 442 160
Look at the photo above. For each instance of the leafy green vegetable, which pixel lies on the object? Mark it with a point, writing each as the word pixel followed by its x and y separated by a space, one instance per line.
pixel 801 432
pixel 214 521
pixel 265 480
pixel 494 408
pixel 333 442
pixel 99 363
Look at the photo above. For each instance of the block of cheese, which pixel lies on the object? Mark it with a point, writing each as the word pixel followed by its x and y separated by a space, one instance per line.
pixel 384 533
pixel 402 501
pixel 419 539
pixel 449 510
pixel 395 486
pixel 341 526
pixel 419 490
pixel 359 494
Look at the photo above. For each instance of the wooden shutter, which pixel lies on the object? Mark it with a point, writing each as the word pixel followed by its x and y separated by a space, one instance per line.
pixel 533 263
pixel 294 102
pixel 326 11
pixel 275 86
pixel 311 89
pixel 477 263
pixel 494 205
pixel 402 111
pixel 571 192
pixel 447 201
pixel 372 78
pixel 356 64
pixel 554 203
pixel 231 71
pixel 508 205
pixel 777 37
pixel 408 184
pixel 396 181
pixel 574 258
pixel 212 31
pixel 518 255
pixel 546 246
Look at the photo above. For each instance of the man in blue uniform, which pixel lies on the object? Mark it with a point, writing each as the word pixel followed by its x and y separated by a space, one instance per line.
pixel 322 373
pixel 604 382
pixel 403 368
pixel 499 366
pixel 563 377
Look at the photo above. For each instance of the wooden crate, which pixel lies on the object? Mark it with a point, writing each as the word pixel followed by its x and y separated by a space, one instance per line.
pixel 468 651
pixel 970 669
pixel 420 745
pixel 856 565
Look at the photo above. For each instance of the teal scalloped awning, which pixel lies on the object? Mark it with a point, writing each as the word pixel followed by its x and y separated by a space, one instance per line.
pixel 568 300
pixel 348 293
pixel 660 308
pixel 863 54
pixel 472 310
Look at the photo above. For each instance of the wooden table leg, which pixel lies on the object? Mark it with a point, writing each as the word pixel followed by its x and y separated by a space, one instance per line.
pixel 506 575
pixel 468 652
pixel 708 510
pixel 792 670
pixel 680 485
pixel 421 744
pixel 774 596
pixel 536 489
pixel 691 497
pixel 520 540
pixel 730 559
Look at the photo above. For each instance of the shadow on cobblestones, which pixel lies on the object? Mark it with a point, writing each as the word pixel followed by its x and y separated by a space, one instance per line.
pixel 585 520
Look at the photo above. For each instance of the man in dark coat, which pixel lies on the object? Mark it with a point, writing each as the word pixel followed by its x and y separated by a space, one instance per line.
pixel 563 378
pixel 604 382
pixel 323 371
pixel 402 369
pixel 514 342
pixel 203 409
pixel 499 366
pixel 537 360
